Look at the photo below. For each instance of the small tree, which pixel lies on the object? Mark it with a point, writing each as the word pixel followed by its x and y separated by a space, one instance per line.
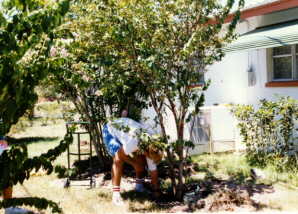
pixel 91 75
pixel 169 46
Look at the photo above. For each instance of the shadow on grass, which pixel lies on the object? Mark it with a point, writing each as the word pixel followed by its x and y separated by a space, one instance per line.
pixel 30 140
pixel 166 201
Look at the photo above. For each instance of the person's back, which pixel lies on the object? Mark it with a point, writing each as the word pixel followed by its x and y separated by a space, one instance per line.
pixel 125 130
pixel 123 123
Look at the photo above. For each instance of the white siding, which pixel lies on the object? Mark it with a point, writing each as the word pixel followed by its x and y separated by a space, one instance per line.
pixel 229 80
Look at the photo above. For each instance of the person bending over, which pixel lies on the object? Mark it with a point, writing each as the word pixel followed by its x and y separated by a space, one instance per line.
pixel 121 142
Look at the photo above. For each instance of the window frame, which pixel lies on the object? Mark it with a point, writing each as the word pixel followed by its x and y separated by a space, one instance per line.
pixel 293 55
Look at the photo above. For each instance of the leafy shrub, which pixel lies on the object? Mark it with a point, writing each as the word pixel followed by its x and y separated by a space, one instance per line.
pixel 27 120
pixel 47 91
pixel 51 111
pixel 268 132
pixel 69 112
pixel 16 168
pixel 44 113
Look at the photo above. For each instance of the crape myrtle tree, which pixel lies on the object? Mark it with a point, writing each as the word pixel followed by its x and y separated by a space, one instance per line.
pixel 25 40
pixel 169 45
pixel 92 76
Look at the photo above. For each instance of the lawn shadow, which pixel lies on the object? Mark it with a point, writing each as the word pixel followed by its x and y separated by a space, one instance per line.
pixel 30 140
pixel 166 202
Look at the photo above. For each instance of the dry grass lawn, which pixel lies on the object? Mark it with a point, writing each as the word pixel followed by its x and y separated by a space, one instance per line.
pixel 78 199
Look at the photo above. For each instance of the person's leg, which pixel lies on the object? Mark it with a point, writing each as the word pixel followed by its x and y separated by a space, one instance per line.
pixel 155 184
pixel 141 160
pixel 140 177
pixel 113 145
pixel 7 194
pixel 117 168
pixel 154 176
pixel 139 167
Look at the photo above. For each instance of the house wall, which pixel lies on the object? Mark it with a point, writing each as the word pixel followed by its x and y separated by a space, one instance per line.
pixel 229 80
pixel 230 77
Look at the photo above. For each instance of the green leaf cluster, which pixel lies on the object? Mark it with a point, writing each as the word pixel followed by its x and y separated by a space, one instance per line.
pixel 268 132
pixel 25 41
pixel 16 167
pixel 119 53
pixel 39 203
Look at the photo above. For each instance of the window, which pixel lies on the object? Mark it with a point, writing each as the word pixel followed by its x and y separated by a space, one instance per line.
pixel 199 63
pixel 202 80
pixel 200 132
pixel 285 63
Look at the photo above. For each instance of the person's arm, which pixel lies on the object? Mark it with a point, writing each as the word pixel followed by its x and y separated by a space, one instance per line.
pixel 153 175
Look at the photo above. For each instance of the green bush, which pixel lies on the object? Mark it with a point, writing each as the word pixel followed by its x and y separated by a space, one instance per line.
pixel 268 132
pixel 46 112
pixel 52 111
pixel 27 120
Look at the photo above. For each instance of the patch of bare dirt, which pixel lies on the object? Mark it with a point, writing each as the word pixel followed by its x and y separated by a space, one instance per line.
pixel 225 200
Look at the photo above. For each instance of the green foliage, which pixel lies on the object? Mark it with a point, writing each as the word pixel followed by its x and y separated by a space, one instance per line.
pixel 117 53
pixel 47 91
pixel 25 41
pixel 91 63
pixel 268 132
pixel 91 75
pixel 61 171
pixel 51 111
pixel 68 111
pixel 25 121
pixel 46 112
pixel 26 35
pixel 16 167
pixel 39 203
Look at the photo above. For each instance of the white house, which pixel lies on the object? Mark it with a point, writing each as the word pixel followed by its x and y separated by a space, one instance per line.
pixel 262 62
pixel 267 45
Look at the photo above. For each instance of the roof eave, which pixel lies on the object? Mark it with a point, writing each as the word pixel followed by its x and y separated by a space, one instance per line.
pixel 264 9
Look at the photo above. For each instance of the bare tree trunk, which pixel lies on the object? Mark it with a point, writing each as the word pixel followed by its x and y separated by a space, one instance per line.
pixel 102 107
pixel 190 137
pixel 172 171
pixel 108 158
pixel 169 155
pixel 181 162
pixel 127 105
pixel 96 145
